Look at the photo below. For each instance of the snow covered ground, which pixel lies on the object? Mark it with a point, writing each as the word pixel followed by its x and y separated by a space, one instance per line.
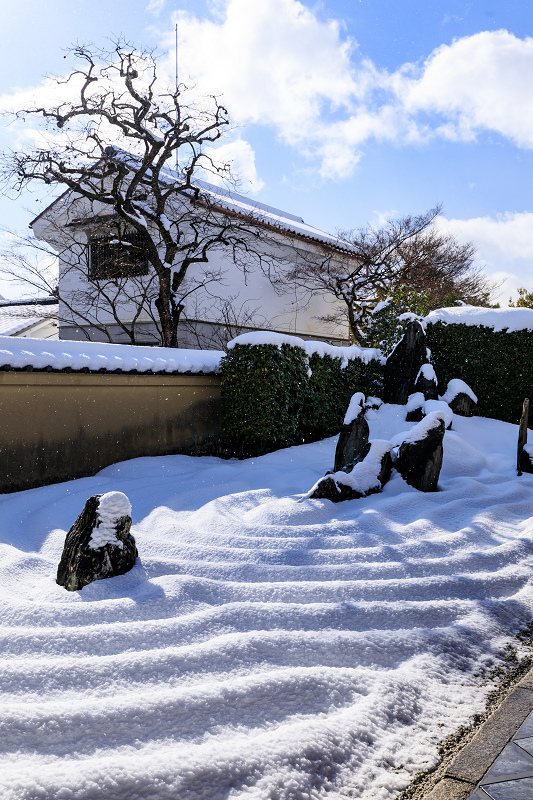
pixel 265 647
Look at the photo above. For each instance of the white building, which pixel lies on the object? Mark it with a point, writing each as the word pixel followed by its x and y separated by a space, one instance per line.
pixel 224 299
pixel 29 319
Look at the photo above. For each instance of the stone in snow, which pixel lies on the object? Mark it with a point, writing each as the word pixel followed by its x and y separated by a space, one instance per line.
pixel 368 475
pixel 460 398
pixel 99 544
pixel 419 457
pixel 352 440
pixel 426 382
pixel 404 364
pixel 525 463
pixel 463 405
pixel 415 407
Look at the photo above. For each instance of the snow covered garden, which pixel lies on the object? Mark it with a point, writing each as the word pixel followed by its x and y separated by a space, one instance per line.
pixel 265 644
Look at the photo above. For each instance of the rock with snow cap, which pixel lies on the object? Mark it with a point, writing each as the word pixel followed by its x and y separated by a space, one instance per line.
pixel 354 434
pixel 99 544
pixel 367 476
pixel 415 407
pixel 404 364
pixel 426 382
pixel 460 398
pixel 418 458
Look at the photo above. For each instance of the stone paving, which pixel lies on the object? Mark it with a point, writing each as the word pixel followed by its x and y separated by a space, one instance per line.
pixel 497 764
pixel 511 776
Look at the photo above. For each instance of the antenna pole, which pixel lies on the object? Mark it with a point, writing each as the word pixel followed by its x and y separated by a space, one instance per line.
pixel 177 86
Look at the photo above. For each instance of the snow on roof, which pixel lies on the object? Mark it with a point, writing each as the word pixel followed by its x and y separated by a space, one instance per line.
pixel 499 319
pixel 94 356
pixel 17 318
pixel 322 349
pixel 233 201
pixel 270 215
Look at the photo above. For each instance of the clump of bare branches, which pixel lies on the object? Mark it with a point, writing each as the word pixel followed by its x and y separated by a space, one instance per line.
pixel 119 138
pixel 406 250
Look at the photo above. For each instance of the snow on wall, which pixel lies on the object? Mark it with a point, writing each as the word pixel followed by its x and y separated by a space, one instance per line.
pixel 346 354
pixel 499 319
pixel 61 354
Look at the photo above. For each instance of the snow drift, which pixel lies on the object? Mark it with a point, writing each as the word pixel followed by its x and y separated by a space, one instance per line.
pixel 265 645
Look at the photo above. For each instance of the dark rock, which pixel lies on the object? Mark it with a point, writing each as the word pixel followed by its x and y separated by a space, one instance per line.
pixel 352 440
pixel 415 407
pixel 426 382
pixel 439 405
pixel 419 458
pixel 403 365
pixel 460 398
pixel 99 544
pixel 366 476
pixel 463 405
pixel 525 464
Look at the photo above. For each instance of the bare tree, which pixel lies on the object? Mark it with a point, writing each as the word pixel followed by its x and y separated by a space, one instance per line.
pixel 372 261
pixel 119 136
pixel 231 318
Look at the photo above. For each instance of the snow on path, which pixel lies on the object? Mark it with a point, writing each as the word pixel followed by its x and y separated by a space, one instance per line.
pixel 265 646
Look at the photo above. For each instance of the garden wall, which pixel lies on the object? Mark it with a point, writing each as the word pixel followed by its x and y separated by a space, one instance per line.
pixel 60 422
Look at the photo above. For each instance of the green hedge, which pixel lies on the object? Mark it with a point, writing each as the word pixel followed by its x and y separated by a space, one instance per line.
pixel 275 397
pixel 497 365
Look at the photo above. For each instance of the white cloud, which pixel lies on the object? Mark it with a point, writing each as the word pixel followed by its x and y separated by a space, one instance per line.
pixel 155 7
pixel 480 82
pixel 272 60
pixel 276 63
pixel 505 245
pixel 241 158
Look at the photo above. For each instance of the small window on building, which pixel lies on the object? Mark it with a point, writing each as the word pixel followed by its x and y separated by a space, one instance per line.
pixel 110 259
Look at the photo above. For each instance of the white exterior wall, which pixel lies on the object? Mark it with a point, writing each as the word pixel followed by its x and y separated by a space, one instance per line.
pixel 291 312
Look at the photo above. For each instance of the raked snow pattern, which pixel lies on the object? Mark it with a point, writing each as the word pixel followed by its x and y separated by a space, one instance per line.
pixel 265 646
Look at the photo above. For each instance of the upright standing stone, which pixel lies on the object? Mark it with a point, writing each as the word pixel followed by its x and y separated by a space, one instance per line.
pixel 404 364
pixel 523 460
pixel 354 434
pixel 99 544
pixel 426 382
pixel 418 459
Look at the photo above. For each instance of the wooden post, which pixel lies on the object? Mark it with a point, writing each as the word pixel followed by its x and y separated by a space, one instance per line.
pixel 522 434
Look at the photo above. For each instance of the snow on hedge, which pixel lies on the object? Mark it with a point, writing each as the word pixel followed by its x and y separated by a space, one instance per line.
pixel 61 354
pixel 499 319
pixel 346 354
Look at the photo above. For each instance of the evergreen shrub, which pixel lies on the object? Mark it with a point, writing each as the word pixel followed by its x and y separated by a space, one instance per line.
pixel 275 397
pixel 263 390
pixel 497 365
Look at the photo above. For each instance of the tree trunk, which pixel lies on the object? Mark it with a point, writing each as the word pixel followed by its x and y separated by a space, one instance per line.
pixel 162 304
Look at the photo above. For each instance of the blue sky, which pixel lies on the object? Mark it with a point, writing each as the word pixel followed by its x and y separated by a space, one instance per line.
pixel 346 112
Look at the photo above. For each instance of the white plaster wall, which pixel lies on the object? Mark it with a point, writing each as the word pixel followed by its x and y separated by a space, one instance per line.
pixel 292 311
